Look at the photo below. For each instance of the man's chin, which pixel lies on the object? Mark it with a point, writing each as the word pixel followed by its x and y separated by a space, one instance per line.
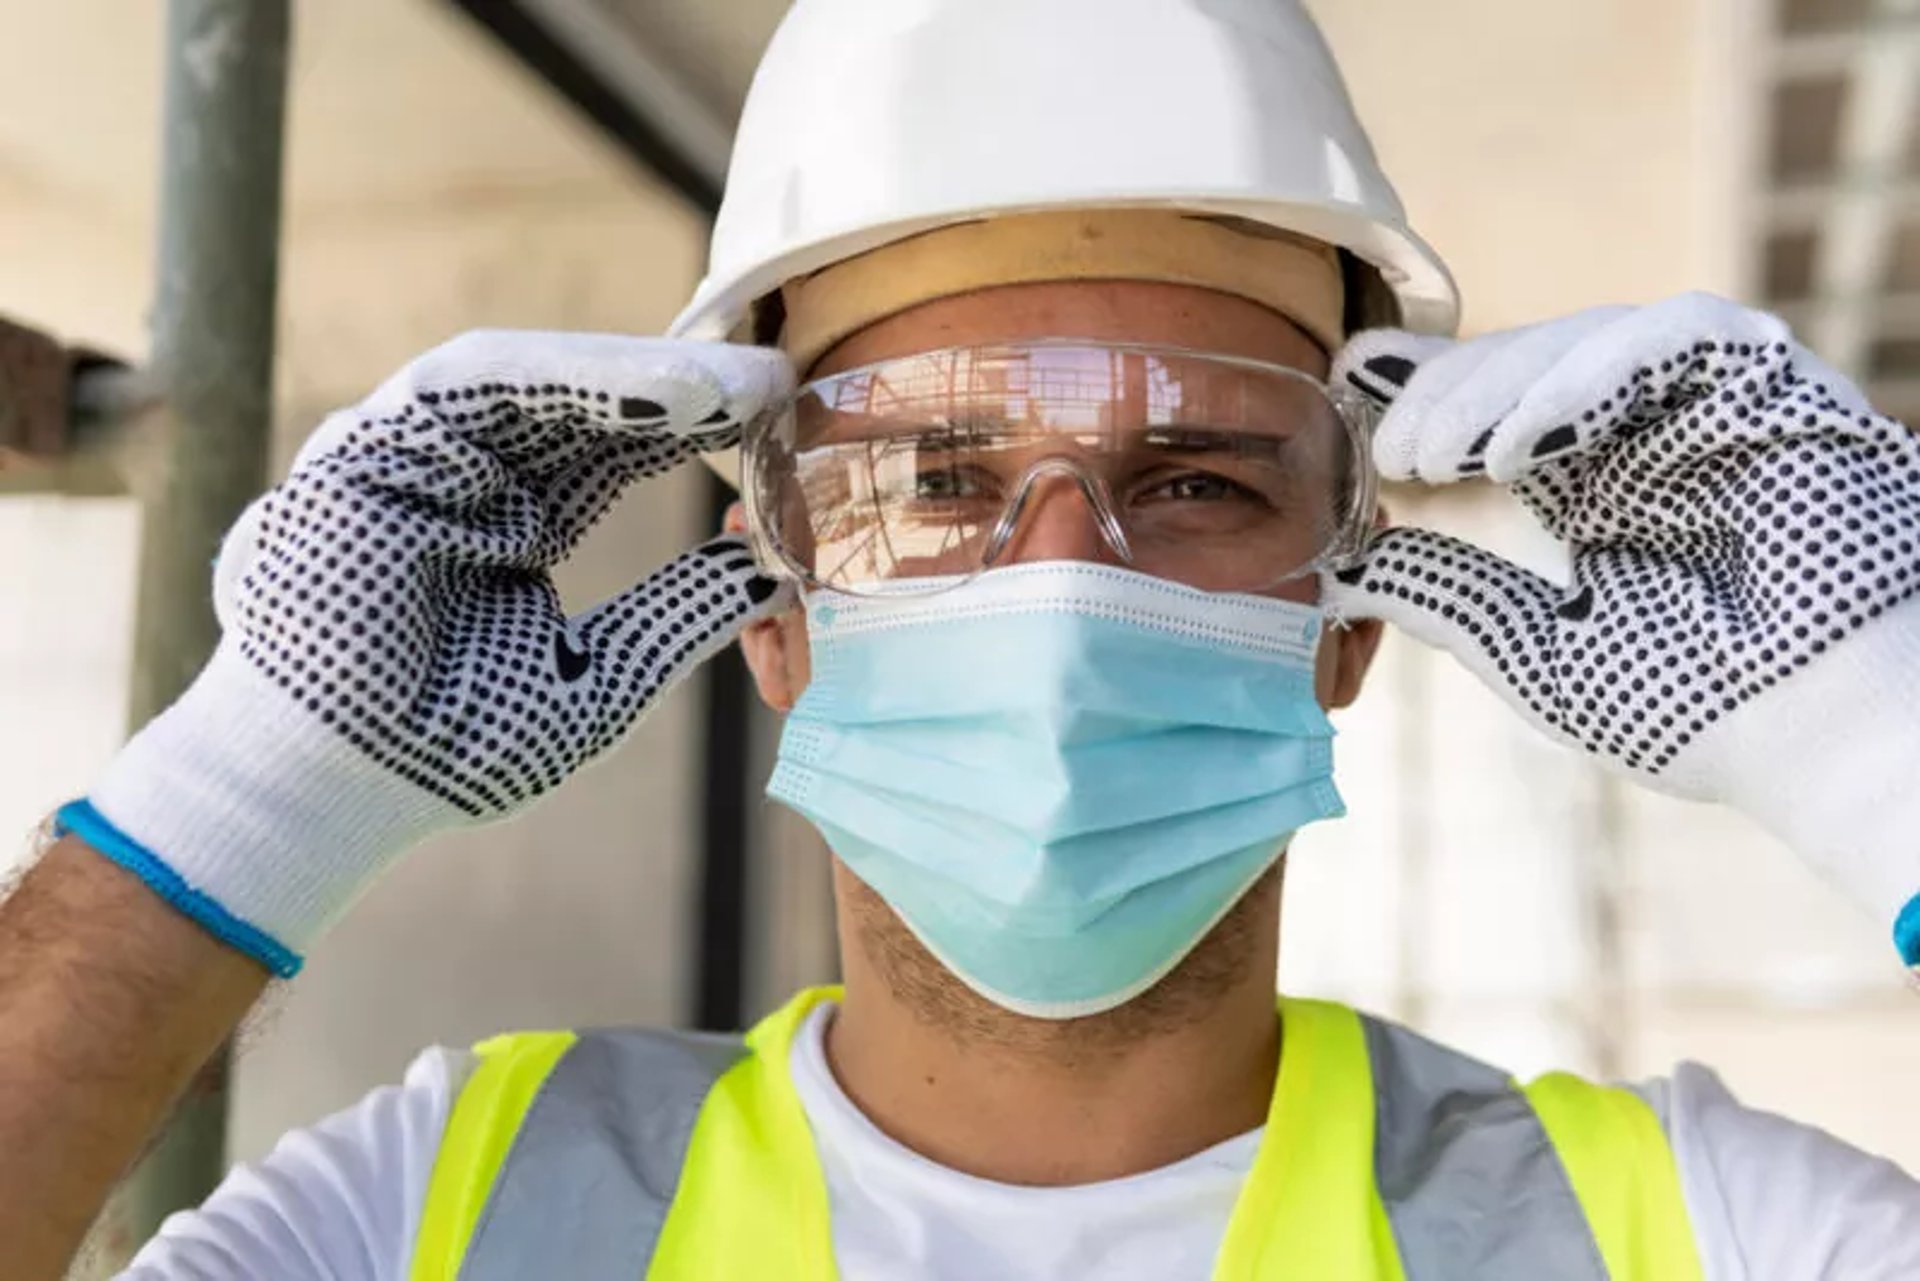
pixel 1220 964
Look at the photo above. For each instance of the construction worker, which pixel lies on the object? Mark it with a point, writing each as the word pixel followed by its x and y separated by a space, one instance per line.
pixel 1103 322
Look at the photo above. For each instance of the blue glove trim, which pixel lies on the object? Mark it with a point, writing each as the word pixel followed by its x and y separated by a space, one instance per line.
pixel 1906 931
pixel 82 820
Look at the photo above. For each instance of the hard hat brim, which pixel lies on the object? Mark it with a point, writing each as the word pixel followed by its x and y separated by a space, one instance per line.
pixel 1427 298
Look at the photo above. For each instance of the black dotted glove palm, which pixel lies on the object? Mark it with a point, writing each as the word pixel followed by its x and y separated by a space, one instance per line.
pixel 396 658
pixel 1745 540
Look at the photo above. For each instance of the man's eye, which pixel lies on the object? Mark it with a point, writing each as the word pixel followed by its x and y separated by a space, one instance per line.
pixel 948 484
pixel 1194 487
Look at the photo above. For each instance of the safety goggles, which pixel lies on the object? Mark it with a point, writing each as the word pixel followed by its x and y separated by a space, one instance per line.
pixel 1218 472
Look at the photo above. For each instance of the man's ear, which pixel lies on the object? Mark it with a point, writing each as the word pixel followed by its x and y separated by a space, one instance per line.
pixel 775 648
pixel 1348 652
pixel 1354 646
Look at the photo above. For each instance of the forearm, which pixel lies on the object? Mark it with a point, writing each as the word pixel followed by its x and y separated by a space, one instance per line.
pixel 109 1002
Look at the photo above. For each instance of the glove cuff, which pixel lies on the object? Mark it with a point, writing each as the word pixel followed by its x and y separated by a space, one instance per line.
pixel 250 816
pixel 1829 761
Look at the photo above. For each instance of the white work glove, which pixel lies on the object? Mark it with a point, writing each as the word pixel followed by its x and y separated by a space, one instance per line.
pixel 395 660
pixel 1743 620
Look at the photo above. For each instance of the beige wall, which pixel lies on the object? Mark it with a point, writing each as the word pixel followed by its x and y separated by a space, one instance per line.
pixel 1561 155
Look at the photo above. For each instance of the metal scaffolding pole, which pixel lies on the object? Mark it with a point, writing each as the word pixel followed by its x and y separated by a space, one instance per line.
pixel 213 336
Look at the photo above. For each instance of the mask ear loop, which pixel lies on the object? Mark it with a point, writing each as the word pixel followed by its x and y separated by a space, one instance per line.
pixel 1112 532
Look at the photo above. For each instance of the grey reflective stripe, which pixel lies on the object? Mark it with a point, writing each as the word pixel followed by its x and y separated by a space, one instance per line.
pixel 1471 1184
pixel 587 1184
pixel 1470 1181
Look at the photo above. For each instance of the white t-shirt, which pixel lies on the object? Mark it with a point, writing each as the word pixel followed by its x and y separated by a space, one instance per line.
pixel 896 1214
pixel 1769 1199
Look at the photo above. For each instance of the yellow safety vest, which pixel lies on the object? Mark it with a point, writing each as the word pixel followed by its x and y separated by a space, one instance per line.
pixel 674 1156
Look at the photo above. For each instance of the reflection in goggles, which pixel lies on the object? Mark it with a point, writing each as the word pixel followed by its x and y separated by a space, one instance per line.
pixel 1225 474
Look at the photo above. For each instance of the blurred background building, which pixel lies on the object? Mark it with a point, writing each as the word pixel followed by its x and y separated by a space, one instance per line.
pixel 546 163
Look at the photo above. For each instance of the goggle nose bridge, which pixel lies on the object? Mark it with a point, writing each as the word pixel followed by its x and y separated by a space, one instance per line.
pixel 1092 487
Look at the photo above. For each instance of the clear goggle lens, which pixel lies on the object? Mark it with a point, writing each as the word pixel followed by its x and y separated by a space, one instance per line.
pixel 1222 473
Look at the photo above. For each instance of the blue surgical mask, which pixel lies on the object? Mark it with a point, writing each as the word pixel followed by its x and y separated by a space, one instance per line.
pixel 1061 775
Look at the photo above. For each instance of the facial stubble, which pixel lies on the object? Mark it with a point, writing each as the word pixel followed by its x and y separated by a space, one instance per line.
pixel 1222 961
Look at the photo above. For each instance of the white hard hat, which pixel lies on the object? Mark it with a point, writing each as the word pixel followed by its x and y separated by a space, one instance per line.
pixel 870 121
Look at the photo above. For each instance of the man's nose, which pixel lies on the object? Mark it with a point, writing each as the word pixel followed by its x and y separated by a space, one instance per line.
pixel 1057 521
